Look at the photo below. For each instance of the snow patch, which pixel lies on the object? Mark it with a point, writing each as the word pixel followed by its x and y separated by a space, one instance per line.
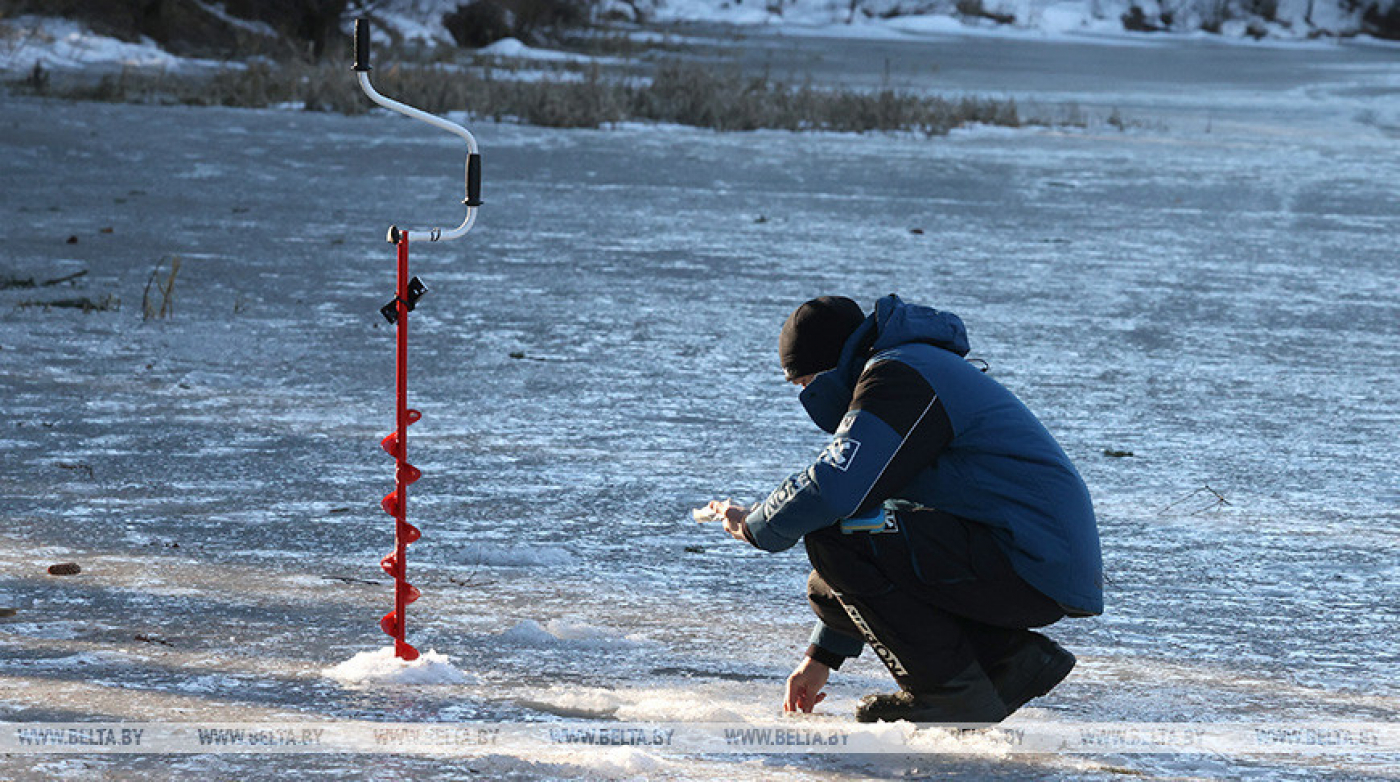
pixel 27 41
pixel 94 658
pixel 247 25
pixel 556 631
pixel 707 703
pixel 1063 22
pixel 52 631
pixel 626 762
pixel 382 667
pixel 668 704
pixel 1076 17
pixel 412 25
pixel 941 741
pixel 497 555
pixel 978 130
pixel 215 683
pixel 577 702
pixel 928 24
pixel 513 48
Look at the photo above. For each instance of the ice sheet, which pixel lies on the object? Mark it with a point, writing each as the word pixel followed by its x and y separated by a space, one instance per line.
pixel 1209 287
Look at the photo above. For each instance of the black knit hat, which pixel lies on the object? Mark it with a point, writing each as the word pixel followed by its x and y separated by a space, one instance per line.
pixel 812 337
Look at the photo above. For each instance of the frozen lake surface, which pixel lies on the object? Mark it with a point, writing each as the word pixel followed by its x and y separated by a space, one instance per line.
pixel 1213 290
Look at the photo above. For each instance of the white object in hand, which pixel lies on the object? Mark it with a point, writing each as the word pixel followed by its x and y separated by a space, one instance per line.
pixel 703 515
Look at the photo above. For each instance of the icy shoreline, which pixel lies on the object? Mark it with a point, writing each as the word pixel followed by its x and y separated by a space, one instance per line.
pixel 58 43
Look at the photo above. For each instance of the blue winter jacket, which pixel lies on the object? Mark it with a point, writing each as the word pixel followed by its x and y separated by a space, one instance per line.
pixel 1001 468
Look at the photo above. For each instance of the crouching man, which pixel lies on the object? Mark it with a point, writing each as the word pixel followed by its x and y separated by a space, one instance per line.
pixel 942 521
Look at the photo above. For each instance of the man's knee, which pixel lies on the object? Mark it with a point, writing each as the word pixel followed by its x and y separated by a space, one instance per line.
pixel 818 591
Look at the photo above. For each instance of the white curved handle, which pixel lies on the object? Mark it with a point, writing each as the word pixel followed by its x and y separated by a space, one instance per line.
pixel 434 234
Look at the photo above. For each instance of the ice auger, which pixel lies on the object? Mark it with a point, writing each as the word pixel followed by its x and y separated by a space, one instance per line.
pixel 409 291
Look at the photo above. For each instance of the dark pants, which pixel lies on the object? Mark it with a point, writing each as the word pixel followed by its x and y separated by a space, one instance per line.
pixel 931 598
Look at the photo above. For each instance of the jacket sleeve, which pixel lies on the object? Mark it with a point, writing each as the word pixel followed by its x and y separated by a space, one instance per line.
pixel 894 428
pixel 831 647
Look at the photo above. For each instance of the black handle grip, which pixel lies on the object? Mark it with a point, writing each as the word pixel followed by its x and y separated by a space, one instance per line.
pixel 361 45
pixel 473 180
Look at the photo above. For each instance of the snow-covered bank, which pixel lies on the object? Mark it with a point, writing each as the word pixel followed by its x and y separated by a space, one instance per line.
pixel 27 41
pixel 1278 19
pixel 1288 20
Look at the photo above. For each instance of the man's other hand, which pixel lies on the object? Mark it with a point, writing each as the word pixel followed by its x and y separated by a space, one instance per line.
pixel 804 686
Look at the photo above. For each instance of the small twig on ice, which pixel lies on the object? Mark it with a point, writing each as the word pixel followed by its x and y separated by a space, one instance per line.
pixel 1215 504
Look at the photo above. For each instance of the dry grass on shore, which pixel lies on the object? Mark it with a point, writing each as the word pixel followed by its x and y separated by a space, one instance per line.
pixel 676 92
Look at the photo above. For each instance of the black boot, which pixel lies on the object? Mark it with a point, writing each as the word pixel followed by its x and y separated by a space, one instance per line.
pixel 1029 670
pixel 968 697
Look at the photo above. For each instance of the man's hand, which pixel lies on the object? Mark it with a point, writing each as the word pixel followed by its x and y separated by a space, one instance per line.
pixel 733 516
pixel 804 686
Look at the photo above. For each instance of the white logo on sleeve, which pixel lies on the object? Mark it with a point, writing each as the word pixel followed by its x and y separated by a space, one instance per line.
pixel 840 453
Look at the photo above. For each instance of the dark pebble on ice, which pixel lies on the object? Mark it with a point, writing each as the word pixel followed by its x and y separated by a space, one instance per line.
pixel 7 612
pixel 695 549
pixel 82 467
pixel 517 354
pixel 65 569
pixel 1116 454
pixel 72 240
pixel 917 231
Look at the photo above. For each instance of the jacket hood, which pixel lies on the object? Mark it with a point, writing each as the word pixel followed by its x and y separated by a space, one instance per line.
pixel 893 323
pixel 897 323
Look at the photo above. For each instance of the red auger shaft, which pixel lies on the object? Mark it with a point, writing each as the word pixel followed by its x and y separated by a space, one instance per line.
pixel 395 563
pixel 396 503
